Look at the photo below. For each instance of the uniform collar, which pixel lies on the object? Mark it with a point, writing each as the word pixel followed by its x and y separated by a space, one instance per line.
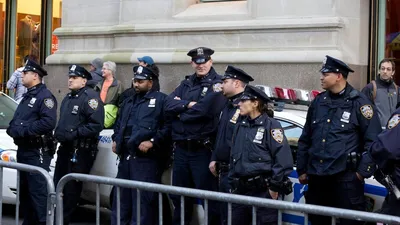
pixel 259 121
pixel 328 96
pixel 208 78
pixel 77 93
pixel 234 100
pixel 35 89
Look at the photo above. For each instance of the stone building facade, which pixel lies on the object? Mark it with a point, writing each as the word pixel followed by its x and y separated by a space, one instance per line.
pixel 279 42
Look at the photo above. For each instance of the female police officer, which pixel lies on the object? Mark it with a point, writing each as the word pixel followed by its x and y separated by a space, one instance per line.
pixel 261 158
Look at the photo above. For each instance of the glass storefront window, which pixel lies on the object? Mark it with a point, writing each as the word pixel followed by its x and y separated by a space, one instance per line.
pixel 392 33
pixel 28 38
pixel 57 11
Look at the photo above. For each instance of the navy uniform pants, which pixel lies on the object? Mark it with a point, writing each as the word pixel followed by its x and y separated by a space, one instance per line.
pixel 242 214
pixel 343 190
pixel 33 186
pixel 224 187
pixel 72 190
pixel 138 169
pixel 190 169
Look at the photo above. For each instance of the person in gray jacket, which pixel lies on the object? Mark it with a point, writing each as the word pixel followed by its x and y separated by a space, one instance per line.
pixel 383 91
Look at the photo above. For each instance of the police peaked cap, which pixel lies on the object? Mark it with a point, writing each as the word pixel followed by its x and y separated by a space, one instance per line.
pixel 333 65
pixel 201 54
pixel 31 65
pixel 143 73
pixel 254 93
pixel 79 71
pixel 232 72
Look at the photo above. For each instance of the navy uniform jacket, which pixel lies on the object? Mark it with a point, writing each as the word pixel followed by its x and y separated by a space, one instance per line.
pixel 337 125
pixel 36 114
pixel 81 116
pixel 150 122
pixel 200 121
pixel 260 148
pixel 229 118
pixel 386 149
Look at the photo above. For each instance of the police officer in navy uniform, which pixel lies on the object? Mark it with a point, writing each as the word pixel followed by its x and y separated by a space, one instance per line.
pixel 81 121
pixel 260 160
pixel 141 138
pixel 234 83
pixel 31 127
pixel 385 152
pixel 341 125
pixel 195 105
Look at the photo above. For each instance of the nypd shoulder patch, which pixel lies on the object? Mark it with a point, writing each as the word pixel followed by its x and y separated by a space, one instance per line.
pixel 277 135
pixel 394 121
pixel 93 103
pixel 217 87
pixel 367 111
pixel 49 103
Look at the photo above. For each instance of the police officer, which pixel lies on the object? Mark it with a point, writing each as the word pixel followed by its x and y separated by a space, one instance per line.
pixel 31 127
pixel 386 153
pixel 81 121
pixel 261 158
pixel 340 127
pixel 140 138
pixel 234 83
pixel 195 104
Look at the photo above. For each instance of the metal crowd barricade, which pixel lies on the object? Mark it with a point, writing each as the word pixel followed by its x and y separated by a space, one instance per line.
pixel 51 200
pixel 335 213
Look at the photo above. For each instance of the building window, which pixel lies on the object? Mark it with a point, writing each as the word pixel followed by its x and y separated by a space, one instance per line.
pixel 28 30
pixel 57 10
pixel 2 40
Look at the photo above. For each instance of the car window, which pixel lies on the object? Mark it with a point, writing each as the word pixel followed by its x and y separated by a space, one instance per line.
pixel 292 133
pixel 7 110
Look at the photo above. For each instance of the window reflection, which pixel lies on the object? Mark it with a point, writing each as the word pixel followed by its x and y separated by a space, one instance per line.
pixel 28 30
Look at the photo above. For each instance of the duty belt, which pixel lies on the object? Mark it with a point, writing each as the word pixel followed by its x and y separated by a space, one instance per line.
pixel 244 184
pixel 191 145
pixel 195 145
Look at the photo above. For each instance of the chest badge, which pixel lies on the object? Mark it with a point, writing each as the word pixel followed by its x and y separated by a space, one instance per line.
pixel 75 109
pixel 32 102
pixel 345 117
pixel 259 135
pixel 204 91
pixel 235 116
pixel 152 103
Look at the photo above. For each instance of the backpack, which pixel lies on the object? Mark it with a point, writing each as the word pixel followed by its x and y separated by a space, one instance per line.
pixel 374 90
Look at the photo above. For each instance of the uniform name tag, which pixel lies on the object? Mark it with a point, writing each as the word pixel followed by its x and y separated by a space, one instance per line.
pixel 345 117
pixel 75 109
pixel 32 102
pixel 235 116
pixel 259 135
pixel 152 103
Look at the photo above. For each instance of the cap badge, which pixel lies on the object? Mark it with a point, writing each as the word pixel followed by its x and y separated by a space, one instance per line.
pixel 139 70
pixel 200 51
pixel 73 67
